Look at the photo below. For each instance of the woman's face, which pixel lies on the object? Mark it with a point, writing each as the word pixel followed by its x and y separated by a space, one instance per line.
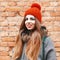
pixel 30 22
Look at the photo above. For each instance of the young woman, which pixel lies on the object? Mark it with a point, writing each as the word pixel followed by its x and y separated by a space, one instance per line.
pixel 29 41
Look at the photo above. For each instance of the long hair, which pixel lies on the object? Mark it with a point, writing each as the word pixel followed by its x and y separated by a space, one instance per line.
pixel 33 43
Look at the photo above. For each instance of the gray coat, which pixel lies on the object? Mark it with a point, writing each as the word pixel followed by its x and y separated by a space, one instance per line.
pixel 50 53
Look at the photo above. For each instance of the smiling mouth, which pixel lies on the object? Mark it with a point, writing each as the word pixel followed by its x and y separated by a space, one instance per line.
pixel 29 26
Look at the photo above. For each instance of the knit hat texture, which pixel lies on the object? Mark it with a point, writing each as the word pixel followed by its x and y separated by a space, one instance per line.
pixel 35 10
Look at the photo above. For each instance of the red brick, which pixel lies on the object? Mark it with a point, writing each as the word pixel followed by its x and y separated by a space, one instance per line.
pixel 3 4
pixel 57 49
pixel 4 58
pixel 8 0
pixel 47 0
pixel 13 19
pixel 8 39
pixel 57 44
pixel 4 53
pixel 2 19
pixel 57 9
pixel 13 23
pixel 55 14
pixel 58 13
pixel 57 23
pixel 4 48
pixel 3 33
pixel 55 33
pixel 48 23
pixel 48 19
pixel 53 4
pixel 11 44
pixel 49 9
pixel 57 28
pixel 13 28
pixel 19 22
pixel 58 0
pixel 54 37
pixel 45 4
pixel 58 3
pixel 13 33
pixel 57 54
pixel 6 14
pixel 4 23
pixel 50 28
pixel 58 58
pixel 4 28
pixel 58 18
pixel 22 4
pixel 2 9
pixel 12 3
pixel 13 9
pixel 3 44
pixel 46 14
pixel 0 28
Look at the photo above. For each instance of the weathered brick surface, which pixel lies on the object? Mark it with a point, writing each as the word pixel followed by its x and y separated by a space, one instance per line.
pixel 5 58
pixel 11 16
pixel 3 53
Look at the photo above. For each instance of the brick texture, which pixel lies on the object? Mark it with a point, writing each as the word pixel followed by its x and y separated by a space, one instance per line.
pixel 11 16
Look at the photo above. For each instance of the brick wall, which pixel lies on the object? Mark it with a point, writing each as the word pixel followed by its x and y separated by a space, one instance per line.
pixel 11 15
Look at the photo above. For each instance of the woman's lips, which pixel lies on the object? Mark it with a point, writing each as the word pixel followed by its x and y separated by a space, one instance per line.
pixel 29 26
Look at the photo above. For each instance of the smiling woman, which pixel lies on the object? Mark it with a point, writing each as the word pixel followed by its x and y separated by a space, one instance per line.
pixel 29 41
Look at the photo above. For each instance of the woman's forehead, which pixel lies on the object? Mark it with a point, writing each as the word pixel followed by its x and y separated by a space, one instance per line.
pixel 29 16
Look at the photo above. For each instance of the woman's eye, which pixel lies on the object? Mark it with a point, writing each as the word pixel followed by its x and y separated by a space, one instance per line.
pixel 32 18
pixel 29 18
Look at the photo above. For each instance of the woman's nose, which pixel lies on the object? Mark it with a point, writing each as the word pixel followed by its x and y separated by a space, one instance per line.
pixel 28 22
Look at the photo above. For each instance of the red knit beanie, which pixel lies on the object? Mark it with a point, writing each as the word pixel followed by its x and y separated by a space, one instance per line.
pixel 35 10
